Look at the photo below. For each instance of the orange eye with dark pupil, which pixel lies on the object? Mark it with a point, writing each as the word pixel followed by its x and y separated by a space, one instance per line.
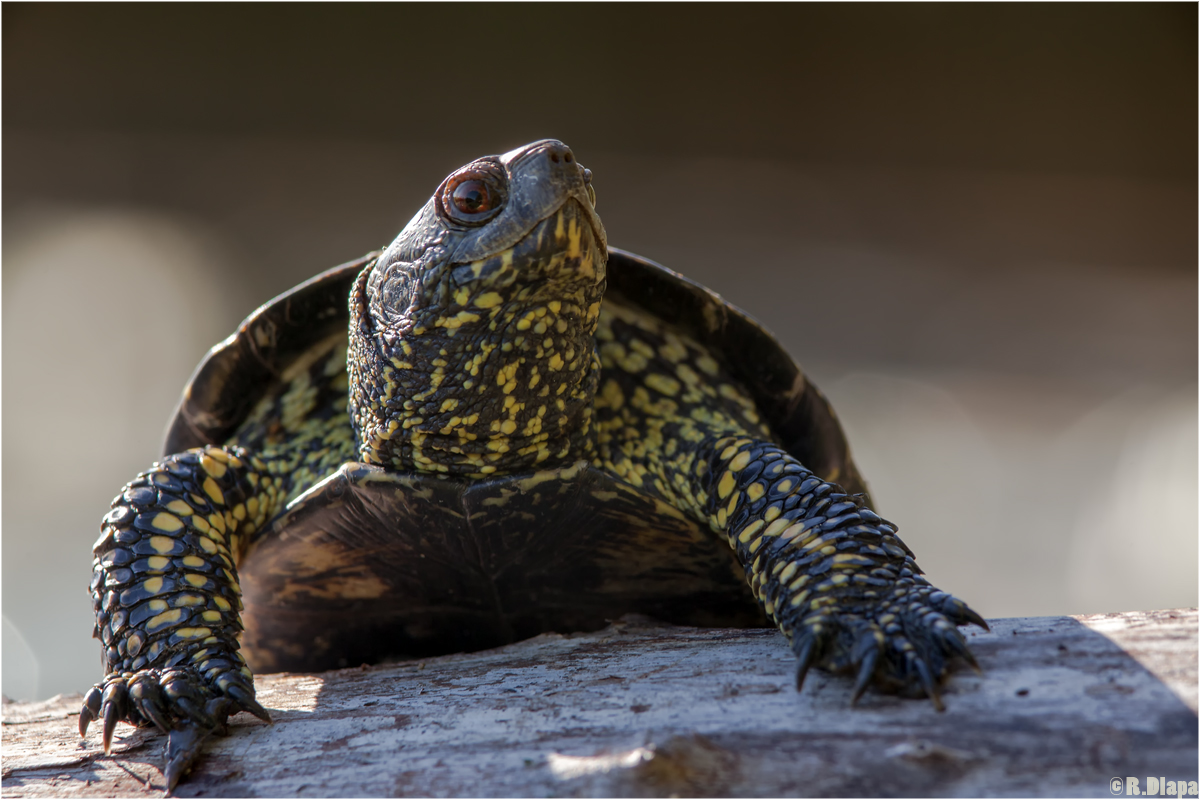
pixel 472 197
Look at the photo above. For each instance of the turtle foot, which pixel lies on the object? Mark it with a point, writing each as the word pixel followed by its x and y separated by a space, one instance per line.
pixel 904 645
pixel 180 702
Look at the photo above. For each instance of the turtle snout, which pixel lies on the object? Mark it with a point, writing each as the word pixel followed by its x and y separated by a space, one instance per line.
pixel 548 161
pixel 559 153
pixel 562 163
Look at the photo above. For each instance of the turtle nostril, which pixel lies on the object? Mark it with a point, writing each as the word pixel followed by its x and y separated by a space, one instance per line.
pixel 560 152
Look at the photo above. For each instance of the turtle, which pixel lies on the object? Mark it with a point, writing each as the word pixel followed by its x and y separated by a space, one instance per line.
pixel 496 427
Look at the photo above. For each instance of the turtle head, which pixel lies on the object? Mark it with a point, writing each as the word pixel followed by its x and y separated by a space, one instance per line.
pixel 471 336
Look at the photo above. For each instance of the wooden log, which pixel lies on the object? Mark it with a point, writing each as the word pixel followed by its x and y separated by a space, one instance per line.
pixel 1065 704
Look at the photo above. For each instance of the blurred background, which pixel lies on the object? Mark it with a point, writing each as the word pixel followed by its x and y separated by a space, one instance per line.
pixel 974 225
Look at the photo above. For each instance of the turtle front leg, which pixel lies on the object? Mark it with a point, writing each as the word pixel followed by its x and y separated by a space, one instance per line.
pixel 831 573
pixel 167 601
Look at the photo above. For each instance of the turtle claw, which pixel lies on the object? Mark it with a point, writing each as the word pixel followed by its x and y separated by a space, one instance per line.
pixel 958 645
pixel 184 744
pixel 918 665
pixel 866 669
pixel 246 700
pixel 957 611
pixel 806 656
pixel 970 616
pixel 92 702
pixel 113 712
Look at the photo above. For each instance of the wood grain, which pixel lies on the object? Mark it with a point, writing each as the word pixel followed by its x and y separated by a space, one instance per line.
pixel 643 709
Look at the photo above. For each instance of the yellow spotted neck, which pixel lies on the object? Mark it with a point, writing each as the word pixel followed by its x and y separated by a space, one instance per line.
pixel 495 381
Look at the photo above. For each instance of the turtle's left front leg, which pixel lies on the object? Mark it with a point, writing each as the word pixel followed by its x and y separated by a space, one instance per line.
pixel 831 573
pixel 167 601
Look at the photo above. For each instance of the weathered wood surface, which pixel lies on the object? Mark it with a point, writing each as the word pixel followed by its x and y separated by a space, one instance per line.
pixel 1065 704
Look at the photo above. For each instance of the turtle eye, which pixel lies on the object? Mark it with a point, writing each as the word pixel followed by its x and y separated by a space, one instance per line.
pixel 473 195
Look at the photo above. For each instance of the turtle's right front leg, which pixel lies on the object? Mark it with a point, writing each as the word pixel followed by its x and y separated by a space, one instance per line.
pixel 167 601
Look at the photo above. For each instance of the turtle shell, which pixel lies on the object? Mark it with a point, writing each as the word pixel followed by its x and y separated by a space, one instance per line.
pixel 370 563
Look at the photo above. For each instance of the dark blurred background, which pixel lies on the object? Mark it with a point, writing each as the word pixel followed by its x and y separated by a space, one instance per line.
pixel 975 225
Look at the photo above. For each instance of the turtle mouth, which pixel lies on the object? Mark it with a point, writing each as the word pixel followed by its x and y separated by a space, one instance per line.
pixel 568 245
pixel 572 233
pixel 584 200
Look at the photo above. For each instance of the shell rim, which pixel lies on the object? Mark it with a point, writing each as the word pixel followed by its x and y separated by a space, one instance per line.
pixel 801 417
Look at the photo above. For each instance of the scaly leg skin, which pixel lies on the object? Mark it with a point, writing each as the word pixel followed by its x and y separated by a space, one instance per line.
pixel 166 597
pixel 830 572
